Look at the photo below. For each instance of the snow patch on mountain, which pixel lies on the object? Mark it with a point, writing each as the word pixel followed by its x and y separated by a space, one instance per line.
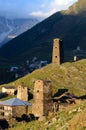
pixel 3 35
pixel 10 28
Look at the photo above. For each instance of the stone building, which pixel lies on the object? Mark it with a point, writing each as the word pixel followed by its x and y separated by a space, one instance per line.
pixel 14 107
pixel 22 92
pixel 57 54
pixel 42 98
pixel 9 90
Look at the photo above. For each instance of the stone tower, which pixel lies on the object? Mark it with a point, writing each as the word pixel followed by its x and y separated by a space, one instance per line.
pixel 22 92
pixel 57 55
pixel 42 98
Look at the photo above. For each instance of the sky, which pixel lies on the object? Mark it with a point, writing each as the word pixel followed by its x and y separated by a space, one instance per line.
pixel 32 8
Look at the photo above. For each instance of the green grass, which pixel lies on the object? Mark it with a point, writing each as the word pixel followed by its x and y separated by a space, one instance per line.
pixel 70 119
pixel 71 76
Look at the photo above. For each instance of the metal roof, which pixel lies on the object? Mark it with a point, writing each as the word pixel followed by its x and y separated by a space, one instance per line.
pixel 15 102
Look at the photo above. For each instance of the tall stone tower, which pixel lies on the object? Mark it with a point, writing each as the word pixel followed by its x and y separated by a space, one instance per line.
pixel 22 92
pixel 57 54
pixel 42 98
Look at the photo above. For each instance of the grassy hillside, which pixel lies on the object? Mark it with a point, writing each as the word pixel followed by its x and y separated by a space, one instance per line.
pixel 70 27
pixel 68 75
pixel 78 8
pixel 71 76
pixel 73 118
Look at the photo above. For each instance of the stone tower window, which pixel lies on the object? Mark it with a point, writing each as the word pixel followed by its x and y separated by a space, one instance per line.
pixel 37 91
pixel 38 80
pixel 55 56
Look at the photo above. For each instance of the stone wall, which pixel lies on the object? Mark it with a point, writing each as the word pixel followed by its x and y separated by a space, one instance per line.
pixel 10 91
pixel 22 93
pixel 57 54
pixel 42 98
pixel 16 111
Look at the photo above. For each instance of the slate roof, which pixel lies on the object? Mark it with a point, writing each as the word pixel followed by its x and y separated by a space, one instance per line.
pixel 9 87
pixel 15 102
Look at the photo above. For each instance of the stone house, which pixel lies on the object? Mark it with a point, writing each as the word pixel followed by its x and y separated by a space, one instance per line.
pixel 14 107
pixel 9 90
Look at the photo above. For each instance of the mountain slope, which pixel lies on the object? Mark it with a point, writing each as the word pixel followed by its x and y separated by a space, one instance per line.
pixel 10 28
pixel 71 76
pixel 78 8
pixel 73 118
pixel 67 25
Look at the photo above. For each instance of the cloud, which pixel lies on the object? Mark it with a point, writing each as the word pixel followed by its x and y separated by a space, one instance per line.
pixel 61 4
pixel 38 14
pixel 28 8
pixel 51 7
pixel 42 14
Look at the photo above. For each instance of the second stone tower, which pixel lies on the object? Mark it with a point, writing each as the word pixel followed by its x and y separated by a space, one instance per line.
pixel 57 54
